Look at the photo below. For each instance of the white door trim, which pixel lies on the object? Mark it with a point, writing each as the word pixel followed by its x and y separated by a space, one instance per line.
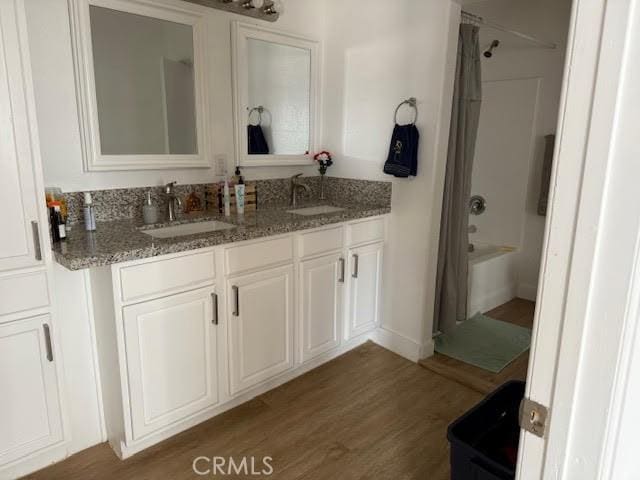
pixel 573 253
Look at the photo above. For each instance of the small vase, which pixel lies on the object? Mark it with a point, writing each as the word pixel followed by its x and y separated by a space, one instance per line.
pixel 322 186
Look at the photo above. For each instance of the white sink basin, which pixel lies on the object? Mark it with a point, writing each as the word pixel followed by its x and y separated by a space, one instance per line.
pixel 315 210
pixel 188 229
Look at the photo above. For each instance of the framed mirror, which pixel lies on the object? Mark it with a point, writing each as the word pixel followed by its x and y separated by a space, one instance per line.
pixel 276 80
pixel 140 77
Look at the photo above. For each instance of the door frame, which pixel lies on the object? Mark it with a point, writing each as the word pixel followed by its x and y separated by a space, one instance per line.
pixel 586 185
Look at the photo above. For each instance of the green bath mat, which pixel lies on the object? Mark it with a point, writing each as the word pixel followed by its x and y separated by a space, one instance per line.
pixel 485 342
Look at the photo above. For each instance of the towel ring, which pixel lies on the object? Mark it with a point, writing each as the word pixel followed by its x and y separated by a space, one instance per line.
pixel 413 103
pixel 258 109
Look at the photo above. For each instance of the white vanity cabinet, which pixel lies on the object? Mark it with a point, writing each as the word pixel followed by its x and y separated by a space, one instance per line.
pixel 364 288
pixel 171 345
pixel 260 322
pixel 185 336
pixel 29 404
pixel 321 283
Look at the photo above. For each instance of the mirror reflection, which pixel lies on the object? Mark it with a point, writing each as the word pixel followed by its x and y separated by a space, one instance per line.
pixel 278 111
pixel 144 83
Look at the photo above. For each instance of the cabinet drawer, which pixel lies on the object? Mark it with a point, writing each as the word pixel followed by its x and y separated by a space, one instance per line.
pixel 164 276
pixel 366 232
pixel 259 255
pixel 321 241
pixel 23 292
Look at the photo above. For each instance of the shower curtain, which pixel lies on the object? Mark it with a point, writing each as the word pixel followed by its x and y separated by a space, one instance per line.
pixel 451 279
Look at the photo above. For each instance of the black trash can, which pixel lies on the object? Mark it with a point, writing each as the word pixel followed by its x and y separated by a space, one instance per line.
pixel 484 441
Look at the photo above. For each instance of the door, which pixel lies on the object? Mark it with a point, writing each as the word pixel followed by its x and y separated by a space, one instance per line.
pixel 585 299
pixel 364 288
pixel 171 350
pixel 321 286
pixel 30 416
pixel 20 241
pixel 260 325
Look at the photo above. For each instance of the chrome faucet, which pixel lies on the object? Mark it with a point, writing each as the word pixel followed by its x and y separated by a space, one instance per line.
pixel 173 201
pixel 295 186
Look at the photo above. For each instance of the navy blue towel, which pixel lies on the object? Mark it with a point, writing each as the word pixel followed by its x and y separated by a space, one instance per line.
pixel 257 143
pixel 403 152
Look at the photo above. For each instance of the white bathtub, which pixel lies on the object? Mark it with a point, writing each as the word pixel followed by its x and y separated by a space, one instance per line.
pixel 492 277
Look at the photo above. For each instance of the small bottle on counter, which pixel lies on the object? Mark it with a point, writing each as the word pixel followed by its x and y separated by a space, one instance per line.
pixel 89 213
pixel 149 210
pixel 58 227
pixel 227 198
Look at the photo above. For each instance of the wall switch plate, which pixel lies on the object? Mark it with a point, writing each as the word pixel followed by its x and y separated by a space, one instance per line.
pixel 220 164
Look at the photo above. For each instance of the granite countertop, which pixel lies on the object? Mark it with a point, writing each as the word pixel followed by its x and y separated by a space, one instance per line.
pixel 123 240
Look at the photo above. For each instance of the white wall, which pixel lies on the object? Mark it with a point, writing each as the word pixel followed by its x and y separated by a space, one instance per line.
pixel 516 59
pixel 52 64
pixel 377 55
pixel 502 159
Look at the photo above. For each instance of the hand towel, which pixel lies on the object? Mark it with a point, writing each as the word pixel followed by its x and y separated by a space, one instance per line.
pixel 257 143
pixel 402 160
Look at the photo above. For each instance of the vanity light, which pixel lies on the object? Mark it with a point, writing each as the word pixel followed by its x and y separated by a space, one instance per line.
pixel 268 10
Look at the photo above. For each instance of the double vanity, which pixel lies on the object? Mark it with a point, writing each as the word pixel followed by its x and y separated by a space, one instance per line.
pixel 198 316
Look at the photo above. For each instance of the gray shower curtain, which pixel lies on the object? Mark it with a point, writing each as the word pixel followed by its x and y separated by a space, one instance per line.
pixel 451 279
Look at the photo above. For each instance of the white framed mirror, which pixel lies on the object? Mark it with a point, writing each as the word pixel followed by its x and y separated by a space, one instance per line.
pixel 141 84
pixel 276 92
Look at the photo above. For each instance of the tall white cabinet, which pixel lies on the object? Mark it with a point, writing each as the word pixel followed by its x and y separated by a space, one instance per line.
pixel 31 421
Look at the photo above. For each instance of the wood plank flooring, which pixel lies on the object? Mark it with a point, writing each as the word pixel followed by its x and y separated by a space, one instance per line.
pixel 517 311
pixel 367 414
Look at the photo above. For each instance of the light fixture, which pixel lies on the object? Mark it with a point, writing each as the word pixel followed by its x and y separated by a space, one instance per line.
pixel 268 10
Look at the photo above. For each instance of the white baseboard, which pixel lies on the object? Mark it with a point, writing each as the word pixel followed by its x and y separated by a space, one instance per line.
pixel 528 292
pixel 34 462
pixel 403 346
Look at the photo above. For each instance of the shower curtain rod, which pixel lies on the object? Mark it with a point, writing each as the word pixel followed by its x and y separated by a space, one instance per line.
pixel 497 26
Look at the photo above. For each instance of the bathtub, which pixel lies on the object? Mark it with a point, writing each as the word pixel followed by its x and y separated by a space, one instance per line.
pixel 492 277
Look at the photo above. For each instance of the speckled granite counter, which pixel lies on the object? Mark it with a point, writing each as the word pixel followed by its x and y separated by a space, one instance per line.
pixel 124 240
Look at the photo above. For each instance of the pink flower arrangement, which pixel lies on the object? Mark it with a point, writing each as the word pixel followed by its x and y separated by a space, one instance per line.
pixel 324 161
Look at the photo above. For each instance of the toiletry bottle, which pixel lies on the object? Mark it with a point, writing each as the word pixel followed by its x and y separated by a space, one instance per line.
pixel 227 199
pixel 149 210
pixel 89 213
pixel 58 228
pixel 240 198
pixel 53 222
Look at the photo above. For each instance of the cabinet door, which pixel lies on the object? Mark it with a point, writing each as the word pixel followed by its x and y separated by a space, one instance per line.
pixel 260 307
pixel 171 358
pixel 364 288
pixel 321 285
pixel 30 417
pixel 19 242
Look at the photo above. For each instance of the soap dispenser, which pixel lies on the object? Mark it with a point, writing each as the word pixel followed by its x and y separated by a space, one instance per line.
pixel 149 210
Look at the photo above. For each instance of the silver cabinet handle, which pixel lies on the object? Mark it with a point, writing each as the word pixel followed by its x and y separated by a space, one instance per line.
pixel 47 341
pixel 214 305
pixel 36 240
pixel 236 301
pixel 355 266
pixel 341 279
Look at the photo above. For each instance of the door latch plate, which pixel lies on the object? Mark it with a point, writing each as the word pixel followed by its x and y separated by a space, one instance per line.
pixel 533 417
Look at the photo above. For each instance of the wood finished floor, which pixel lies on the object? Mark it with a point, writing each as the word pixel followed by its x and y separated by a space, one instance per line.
pixel 517 311
pixel 366 414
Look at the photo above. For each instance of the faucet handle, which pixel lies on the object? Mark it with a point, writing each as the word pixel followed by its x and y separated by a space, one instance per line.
pixel 169 187
pixel 294 178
